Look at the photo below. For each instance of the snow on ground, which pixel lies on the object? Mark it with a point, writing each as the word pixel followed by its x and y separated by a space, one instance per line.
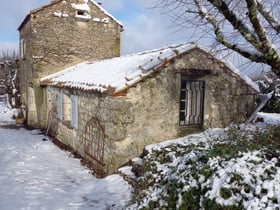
pixel 6 114
pixel 269 118
pixel 36 174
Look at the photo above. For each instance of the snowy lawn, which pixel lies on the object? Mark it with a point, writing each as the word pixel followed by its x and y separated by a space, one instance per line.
pixel 233 168
pixel 36 174
pixel 6 114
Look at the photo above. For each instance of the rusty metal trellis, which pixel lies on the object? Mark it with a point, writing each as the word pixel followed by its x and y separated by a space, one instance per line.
pixel 95 143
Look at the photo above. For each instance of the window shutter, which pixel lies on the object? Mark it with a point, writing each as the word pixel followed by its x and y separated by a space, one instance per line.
pixel 59 105
pixel 74 111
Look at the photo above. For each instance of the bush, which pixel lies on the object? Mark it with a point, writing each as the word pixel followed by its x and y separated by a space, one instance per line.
pixel 179 176
pixel 270 83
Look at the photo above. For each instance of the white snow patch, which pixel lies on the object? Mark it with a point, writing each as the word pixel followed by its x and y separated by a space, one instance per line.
pixel 96 19
pixel 7 114
pixel 105 20
pixel 57 14
pixel 86 17
pixel 105 12
pixel 81 7
pixel 120 72
pixel 36 174
pixel 270 118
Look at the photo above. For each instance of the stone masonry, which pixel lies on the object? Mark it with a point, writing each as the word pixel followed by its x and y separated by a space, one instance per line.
pixel 58 35
pixel 149 112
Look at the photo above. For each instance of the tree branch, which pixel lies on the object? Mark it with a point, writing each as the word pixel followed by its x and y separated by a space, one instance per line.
pixel 272 20
pixel 264 45
pixel 256 57
pixel 260 43
pixel 235 22
pixel 257 29
pixel 253 16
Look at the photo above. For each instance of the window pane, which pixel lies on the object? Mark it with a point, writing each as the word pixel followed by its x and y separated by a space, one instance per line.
pixel 183 95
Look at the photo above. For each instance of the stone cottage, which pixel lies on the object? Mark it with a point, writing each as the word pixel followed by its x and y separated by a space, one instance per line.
pixel 108 110
pixel 60 34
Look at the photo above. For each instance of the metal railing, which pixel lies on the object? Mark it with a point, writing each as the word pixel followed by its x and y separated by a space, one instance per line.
pixel 191 102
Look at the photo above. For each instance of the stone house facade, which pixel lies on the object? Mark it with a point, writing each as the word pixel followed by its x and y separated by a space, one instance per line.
pixel 60 34
pixel 109 110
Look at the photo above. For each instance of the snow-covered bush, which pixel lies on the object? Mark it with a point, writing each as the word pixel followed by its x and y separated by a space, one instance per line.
pixel 270 83
pixel 233 169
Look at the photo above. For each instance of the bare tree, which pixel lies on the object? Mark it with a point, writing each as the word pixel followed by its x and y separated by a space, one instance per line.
pixel 249 27
pixel 9 77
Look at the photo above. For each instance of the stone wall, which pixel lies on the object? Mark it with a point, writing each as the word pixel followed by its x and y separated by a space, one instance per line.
pixel 61 37
pixel 227 97
pixel 58 36
pixel 26 73
pixel 149 112
pixel 112 113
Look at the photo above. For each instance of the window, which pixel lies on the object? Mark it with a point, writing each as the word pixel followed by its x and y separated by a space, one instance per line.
pixel 191 102
pixel 22 49
pixel 82 15
pixel 81 12
pixel 67 109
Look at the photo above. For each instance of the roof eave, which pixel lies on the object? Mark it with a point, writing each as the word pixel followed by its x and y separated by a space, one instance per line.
pixel 35 11
pixel 23 22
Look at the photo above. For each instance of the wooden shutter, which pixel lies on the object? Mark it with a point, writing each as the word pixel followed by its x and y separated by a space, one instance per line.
pixel 59 105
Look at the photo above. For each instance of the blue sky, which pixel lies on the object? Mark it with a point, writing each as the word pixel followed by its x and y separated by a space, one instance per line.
pixel 144 28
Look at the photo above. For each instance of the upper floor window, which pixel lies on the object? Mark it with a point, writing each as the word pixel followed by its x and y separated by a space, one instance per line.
pixel 191 102
pixel 83 15
pixel 22 48
pixel 82 11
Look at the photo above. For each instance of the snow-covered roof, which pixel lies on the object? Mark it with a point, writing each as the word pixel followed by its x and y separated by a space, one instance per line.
pixel 81 5
pixel 105 12
pixel 119 73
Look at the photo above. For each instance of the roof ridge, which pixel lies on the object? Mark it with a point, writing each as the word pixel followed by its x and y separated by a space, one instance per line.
pixel 160 49
pixel 125 71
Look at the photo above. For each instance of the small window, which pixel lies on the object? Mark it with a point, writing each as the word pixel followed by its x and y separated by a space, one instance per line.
pixel 22 48
pixel 191 102
pixel 82 13
pixel 67 108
